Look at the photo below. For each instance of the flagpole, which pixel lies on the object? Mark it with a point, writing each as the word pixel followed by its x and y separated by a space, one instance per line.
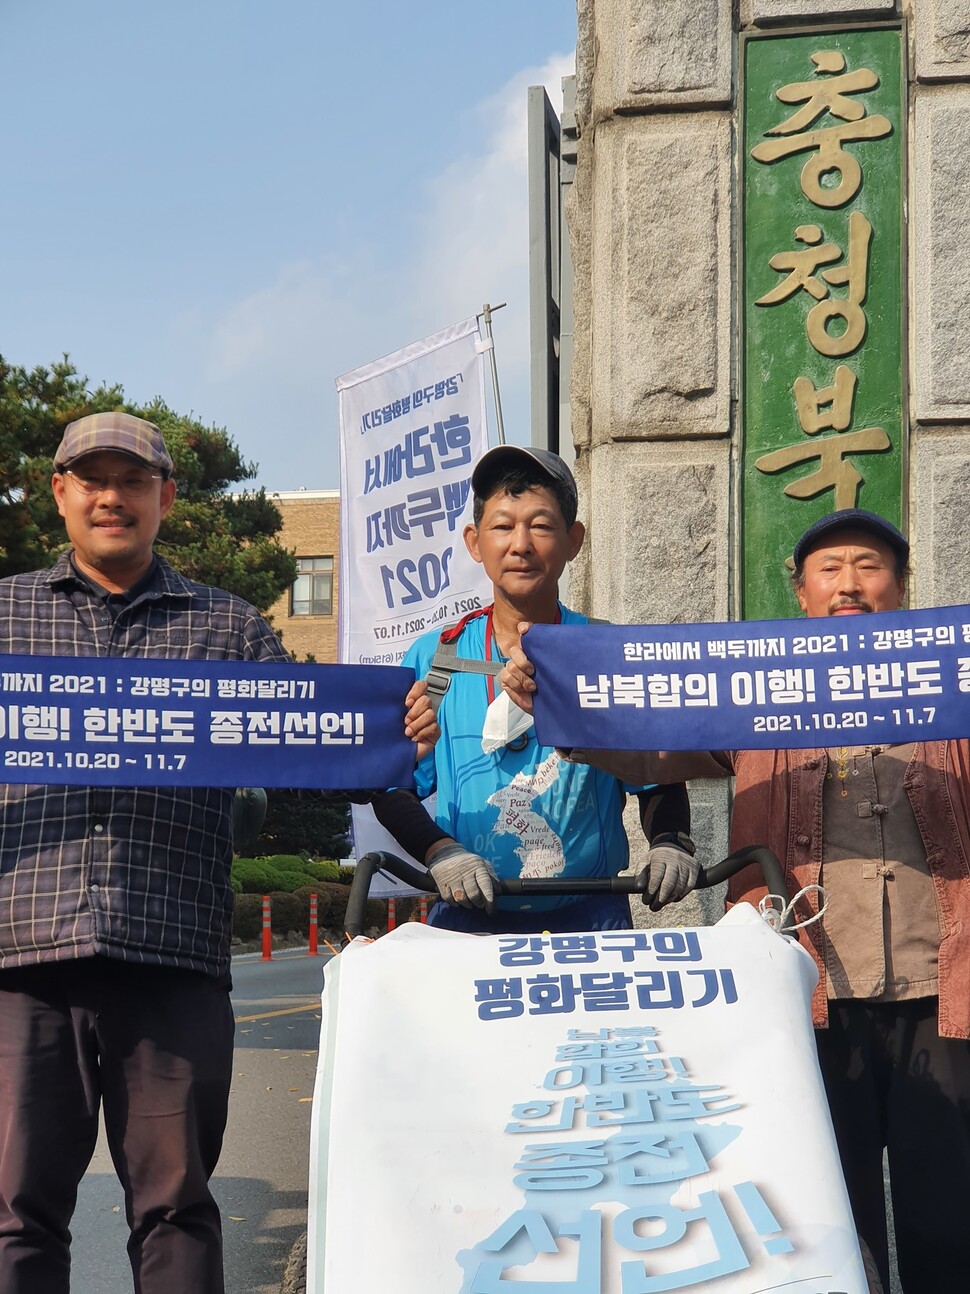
pixel 489 345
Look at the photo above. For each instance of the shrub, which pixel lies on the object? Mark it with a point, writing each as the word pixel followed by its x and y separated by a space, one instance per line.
pixel 247 917
pixel 290 912
pixel 283 873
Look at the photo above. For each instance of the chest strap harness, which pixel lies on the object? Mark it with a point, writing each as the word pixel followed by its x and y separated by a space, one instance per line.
pixel 446 661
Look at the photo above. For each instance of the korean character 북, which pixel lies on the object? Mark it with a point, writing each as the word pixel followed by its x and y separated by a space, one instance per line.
pixel 226 728
pixel 341 729
pixel 499 999
pixel 526 951
pixel 263 728
pixel 700 689
pixel 664 690
pixel 791 686
pixel 424 510
pixel 846 682
pixel 923 678
pixel 628 689
pixel 299 729
pixel 595 695
pixel 45 722
pixel 453 440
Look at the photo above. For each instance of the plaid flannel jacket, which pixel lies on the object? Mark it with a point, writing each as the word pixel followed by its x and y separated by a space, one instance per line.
pixel 136 873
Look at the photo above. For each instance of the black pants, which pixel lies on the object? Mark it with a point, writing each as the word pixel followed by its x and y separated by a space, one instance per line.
pixel 153 1046
pixel 893 1082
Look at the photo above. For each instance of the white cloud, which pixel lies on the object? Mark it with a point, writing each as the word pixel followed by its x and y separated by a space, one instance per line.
pixel 470 245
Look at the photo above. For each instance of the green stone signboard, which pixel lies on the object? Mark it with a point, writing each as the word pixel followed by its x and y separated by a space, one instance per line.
pixel 822 388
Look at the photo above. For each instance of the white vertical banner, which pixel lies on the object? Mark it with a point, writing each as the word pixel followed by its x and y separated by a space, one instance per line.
pixel 412 427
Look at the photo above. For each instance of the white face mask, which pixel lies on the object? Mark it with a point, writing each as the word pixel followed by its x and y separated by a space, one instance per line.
pixel 504 721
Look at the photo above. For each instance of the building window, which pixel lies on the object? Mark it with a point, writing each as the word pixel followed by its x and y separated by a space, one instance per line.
pixel 313 587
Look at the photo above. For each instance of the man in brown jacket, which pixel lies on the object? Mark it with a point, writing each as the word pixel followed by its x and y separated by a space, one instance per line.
pixel 886 831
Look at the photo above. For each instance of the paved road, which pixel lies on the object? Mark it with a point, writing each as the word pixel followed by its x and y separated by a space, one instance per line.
pixel 261 1182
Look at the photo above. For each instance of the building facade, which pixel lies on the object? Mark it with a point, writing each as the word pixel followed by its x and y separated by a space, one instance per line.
pixel 306 615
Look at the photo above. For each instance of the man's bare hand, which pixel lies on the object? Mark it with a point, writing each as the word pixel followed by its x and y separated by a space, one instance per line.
pixel 420 723
pixel 517 677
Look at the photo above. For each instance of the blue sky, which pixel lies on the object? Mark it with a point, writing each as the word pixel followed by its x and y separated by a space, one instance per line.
pixel 230 202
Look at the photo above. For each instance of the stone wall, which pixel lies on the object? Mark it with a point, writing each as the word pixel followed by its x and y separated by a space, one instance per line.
pixel 651 218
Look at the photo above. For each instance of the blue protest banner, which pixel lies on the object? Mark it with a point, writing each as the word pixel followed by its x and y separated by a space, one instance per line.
pixel 127 722
pixel 885 677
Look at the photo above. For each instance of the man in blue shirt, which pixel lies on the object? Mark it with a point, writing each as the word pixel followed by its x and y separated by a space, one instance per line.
pixel 521 810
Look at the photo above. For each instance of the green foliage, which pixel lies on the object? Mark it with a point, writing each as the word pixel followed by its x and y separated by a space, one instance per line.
pixel 315 821
pixel 208 536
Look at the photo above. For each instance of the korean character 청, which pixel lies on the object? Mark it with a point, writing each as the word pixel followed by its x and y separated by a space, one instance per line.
pixel 593 696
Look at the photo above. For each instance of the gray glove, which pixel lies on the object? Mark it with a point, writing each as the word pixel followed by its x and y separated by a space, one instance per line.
pixel 463 878
pixel 672 871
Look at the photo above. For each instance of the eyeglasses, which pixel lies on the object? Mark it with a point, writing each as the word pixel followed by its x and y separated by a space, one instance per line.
pixel 132 482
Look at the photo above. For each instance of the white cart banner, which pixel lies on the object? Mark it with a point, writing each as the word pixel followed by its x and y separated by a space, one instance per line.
pixel 412 426
pixel 626 1112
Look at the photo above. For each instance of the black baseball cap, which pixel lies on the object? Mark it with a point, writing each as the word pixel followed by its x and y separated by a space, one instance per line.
pixel 502 458
pixel 852 519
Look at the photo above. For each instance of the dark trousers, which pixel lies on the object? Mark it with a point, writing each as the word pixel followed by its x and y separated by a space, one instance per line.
pixel 153 1047
pixel 893 1082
